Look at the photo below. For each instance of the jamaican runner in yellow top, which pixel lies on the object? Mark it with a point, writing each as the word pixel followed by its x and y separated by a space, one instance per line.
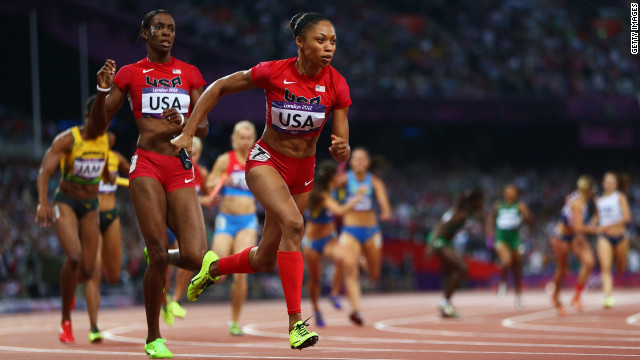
pixel 82 154
pixel 504 227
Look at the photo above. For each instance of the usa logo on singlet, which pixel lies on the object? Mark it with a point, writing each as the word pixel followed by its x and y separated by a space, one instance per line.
pixel 157 99
pixel 296 118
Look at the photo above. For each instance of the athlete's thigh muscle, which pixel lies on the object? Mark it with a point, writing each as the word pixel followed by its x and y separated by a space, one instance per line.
pixel 150 204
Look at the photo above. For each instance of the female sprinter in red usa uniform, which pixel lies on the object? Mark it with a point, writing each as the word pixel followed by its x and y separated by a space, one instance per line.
pixel 161 91
pixel 301 93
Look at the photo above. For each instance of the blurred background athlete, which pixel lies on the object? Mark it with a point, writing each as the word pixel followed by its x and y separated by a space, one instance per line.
pixel 360 232
pixel 504 227
pixel 613 216
pixel 236 226
pixel 82 154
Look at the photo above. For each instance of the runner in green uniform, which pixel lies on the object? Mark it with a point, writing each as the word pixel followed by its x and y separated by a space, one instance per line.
pixel 440 241
pixel 504 226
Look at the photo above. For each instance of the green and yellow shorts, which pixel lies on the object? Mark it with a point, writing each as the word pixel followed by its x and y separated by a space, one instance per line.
pixel 80 207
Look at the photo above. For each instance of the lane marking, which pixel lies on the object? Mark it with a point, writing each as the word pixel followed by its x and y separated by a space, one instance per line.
pixel 633 319
pixel 141 353
pixel 252 330
pixel 113 334
pixel 390 326
pixel 522 322
pixel 479 306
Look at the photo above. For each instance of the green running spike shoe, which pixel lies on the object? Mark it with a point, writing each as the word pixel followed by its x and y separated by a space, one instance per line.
pixel 608 302
pixel 300 338
pixel 176 309
pixel 157 350
pixel 95 336
pixel 235 329
pixel 202 279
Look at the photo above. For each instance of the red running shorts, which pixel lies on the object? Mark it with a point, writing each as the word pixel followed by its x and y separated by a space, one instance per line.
pixel 296 172
pixel 166 169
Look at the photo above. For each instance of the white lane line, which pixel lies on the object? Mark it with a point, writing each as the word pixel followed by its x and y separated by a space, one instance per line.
pixel 391 326
pixel 142 326
pixel 387 326
pixel 520 322
pixel 68 351
pixel 342 349
pixel 113 335
pixel 252 329
pixel 633 319
pixel 141 353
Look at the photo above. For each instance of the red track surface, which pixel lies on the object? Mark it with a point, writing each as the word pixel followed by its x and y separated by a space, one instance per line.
pixel 399 326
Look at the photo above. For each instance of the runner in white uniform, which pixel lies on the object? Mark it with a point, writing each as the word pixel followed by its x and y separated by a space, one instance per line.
pixel 613 216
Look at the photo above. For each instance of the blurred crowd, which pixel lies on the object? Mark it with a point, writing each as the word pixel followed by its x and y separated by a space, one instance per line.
pixel 407 48
pixel 31 257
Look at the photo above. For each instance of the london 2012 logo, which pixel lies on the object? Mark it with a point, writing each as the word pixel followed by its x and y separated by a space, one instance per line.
pixel 634 28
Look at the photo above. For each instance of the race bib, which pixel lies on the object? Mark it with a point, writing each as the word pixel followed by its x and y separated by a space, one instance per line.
pixel 106 188
pixel 88 169
pixel 296 118
pixel 237 180
pixel 508 219
pixel 157 99
pixel 221 223
pixel 366 202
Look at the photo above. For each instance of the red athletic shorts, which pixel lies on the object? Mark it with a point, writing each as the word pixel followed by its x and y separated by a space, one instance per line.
pixel 166 169
pixel 296 172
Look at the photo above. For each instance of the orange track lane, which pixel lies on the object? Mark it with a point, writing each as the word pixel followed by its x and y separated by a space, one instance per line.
pixel 398 326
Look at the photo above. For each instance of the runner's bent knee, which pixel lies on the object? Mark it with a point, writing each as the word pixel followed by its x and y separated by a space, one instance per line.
pixel 293 226
pixel 158 256
pixel 191 256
